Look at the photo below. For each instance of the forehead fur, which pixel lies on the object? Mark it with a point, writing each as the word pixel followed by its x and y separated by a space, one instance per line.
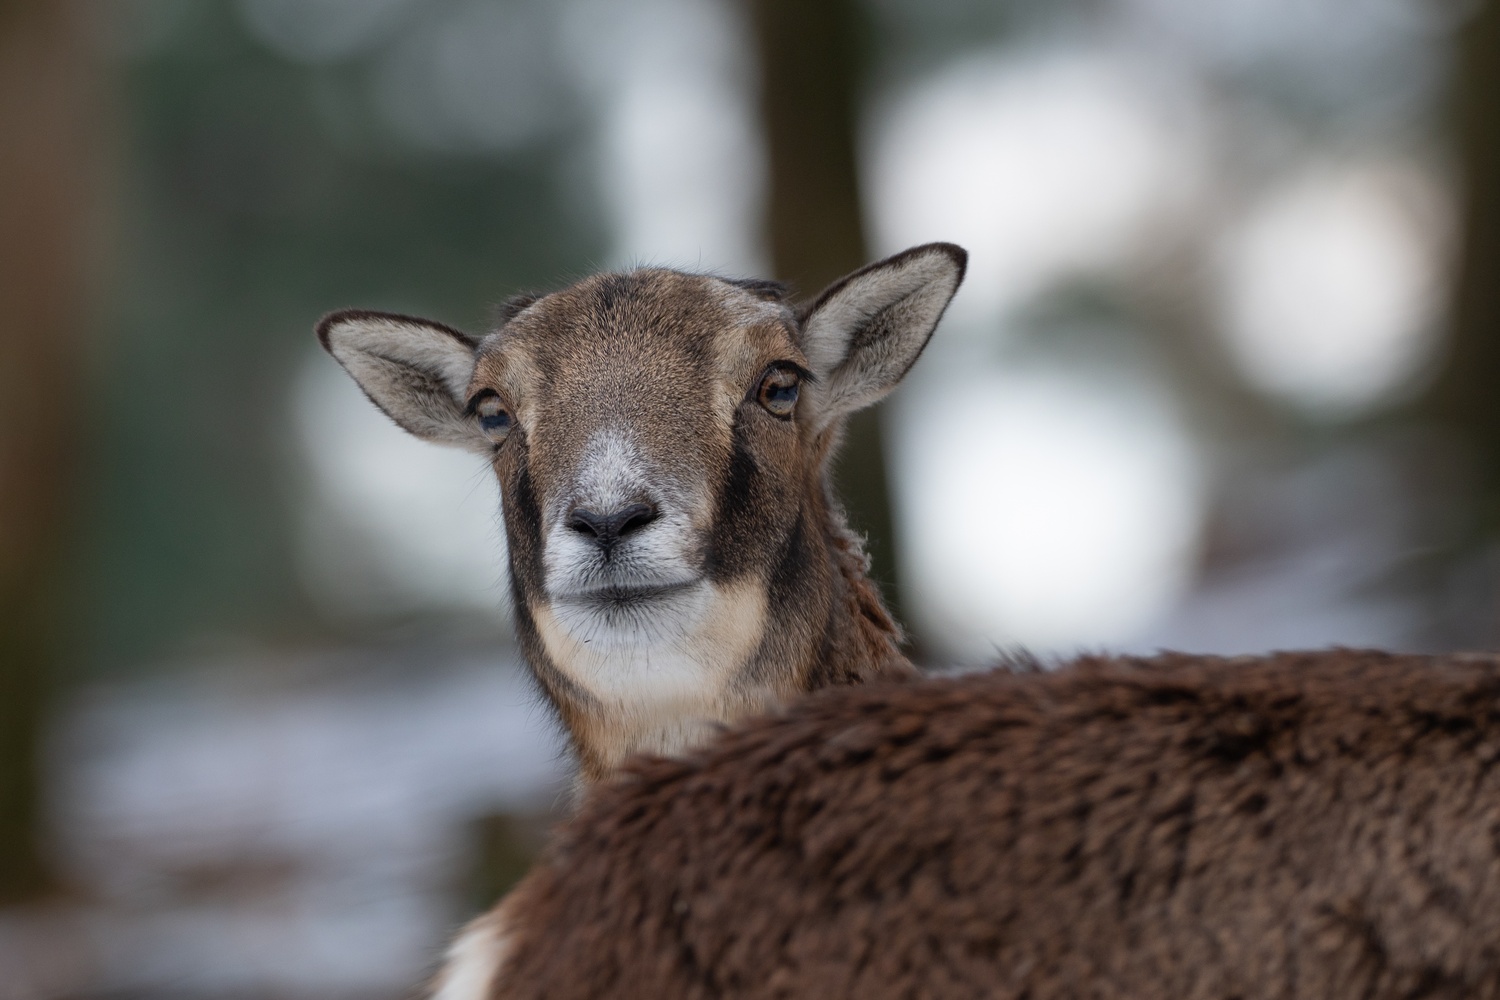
pixel 664 356
pixel 643 322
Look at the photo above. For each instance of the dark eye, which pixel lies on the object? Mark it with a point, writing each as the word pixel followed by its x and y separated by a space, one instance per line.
pixel 494 418
pixel 778 391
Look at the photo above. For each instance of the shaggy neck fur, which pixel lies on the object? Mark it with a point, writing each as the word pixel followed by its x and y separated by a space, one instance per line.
pixel 861 639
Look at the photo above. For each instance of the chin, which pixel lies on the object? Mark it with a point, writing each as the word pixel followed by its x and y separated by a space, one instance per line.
pixel 633 614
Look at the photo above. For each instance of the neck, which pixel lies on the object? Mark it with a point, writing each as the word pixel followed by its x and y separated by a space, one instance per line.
pixel 723 652
pixel 864 641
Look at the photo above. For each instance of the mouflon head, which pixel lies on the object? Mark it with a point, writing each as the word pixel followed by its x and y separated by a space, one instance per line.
pixel 661 441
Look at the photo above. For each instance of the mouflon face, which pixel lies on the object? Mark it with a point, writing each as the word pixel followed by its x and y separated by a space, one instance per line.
pixel 661 442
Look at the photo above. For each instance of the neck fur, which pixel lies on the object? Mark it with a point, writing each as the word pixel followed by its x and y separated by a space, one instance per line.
pixel 866 639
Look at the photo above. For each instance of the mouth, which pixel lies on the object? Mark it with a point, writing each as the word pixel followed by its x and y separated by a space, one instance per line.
pixel 619 596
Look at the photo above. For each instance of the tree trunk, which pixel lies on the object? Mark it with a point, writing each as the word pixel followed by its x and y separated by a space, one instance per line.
pixel 46 161
pixel 1465 394
pixel 1464 398
pixel 810 74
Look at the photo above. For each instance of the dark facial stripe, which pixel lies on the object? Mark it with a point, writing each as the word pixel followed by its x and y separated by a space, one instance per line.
pixel 792 577
pixel 523 525
pixel 728 554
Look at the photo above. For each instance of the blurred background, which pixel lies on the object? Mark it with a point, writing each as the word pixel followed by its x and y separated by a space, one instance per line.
pixel 1220 379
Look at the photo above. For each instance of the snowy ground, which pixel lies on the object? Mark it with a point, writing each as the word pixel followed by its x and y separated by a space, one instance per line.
pixel 231 835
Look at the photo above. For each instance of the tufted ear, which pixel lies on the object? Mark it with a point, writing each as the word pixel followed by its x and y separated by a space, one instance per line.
pixel 863 334
pixel 415 370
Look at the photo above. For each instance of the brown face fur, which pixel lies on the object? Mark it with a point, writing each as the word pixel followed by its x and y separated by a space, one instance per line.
pixel 661 370
pixel 669 363
pixel 661 441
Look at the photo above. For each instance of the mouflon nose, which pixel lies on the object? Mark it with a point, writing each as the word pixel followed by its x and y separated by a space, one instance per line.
pixel 607 529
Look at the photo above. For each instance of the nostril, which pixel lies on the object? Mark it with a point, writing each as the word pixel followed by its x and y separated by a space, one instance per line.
pixel 586 522
pixel 634 517
pixel 607 529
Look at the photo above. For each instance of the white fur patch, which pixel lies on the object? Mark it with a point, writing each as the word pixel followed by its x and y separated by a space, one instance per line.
pixel 474 959
pixel 611 473
pixel 662 674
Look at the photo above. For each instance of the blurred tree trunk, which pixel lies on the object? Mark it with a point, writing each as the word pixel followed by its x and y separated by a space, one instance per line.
pixel 1467 392
pixel 810 75
pixel 47 157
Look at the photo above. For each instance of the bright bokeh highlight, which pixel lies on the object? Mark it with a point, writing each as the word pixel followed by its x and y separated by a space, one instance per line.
pixel 1043 508
pixel 1042 164
pixel 1330 286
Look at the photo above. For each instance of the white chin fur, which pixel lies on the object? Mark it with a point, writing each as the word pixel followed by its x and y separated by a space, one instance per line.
pixel 671 656
pixel 659 664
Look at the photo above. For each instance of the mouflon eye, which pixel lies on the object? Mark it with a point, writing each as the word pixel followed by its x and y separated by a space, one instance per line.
pixel 494 418
pixel 778 391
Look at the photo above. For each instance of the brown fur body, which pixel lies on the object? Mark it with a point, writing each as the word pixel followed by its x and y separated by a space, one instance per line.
pixel 1315 825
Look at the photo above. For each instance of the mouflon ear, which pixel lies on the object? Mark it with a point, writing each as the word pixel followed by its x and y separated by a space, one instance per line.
pixel 863 334
pixel 415 370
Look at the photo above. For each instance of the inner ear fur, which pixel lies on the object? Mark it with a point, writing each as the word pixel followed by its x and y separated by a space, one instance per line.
pixel 865 331
pixel 416 371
